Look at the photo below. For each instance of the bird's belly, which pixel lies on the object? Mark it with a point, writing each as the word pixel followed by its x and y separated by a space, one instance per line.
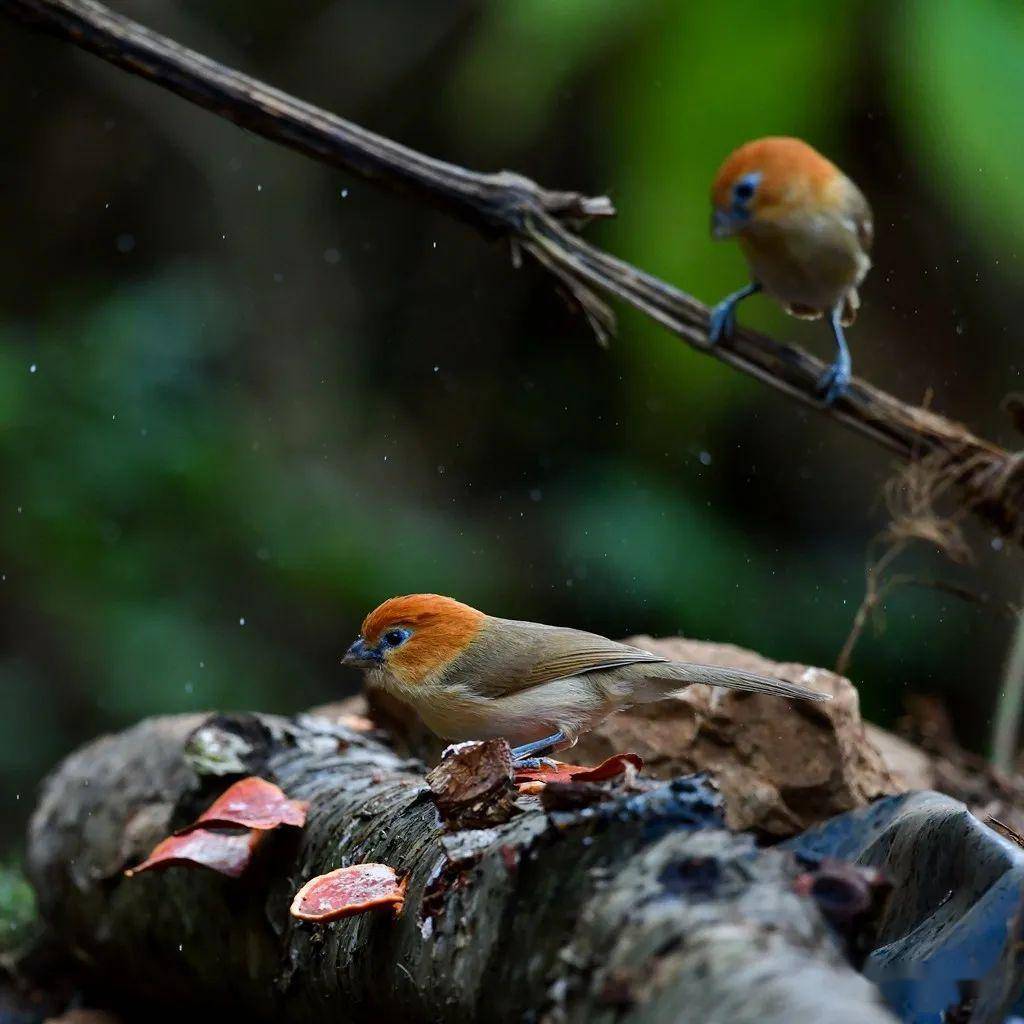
pixel 812 268
pixel 572 705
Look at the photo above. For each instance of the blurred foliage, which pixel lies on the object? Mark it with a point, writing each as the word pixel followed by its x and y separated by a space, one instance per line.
pixel 244 397
pixel 17 909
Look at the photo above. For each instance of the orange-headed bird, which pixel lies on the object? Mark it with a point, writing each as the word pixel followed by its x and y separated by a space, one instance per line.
pixel 472 676
pixel 805 229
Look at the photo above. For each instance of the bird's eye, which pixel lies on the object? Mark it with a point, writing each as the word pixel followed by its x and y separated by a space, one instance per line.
pixel 395 637
pixel 745 188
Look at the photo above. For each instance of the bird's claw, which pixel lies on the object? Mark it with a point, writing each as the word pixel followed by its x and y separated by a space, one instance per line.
pixel 722 321
pixel 527 763
pixel 834 382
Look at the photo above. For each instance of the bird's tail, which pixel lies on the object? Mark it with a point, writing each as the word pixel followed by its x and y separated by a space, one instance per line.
pixel 662 679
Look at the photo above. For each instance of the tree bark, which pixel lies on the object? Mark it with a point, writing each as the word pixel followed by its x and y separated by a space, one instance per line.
pixel 638 908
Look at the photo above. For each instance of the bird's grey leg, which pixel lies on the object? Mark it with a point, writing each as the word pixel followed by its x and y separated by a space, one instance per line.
pixel 723 316
pixel 525 756
pixel 837 377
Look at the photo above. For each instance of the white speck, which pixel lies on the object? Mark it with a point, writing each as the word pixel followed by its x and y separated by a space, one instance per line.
pixel 434 245
pixel 33 368
pixel 202 664
pixel 436 369
pixel 997 543
pixel 259 188
pixel 181 947
pixel 344 193
pixel 106 206
pixel 385 458
pixel 457 748
pixel 19 510
pixel 241 621
pixel 705 458
pixel 223 238
pixel 125 243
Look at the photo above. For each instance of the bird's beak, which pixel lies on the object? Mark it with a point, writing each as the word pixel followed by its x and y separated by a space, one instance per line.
pixel 723 224
pixel 360 653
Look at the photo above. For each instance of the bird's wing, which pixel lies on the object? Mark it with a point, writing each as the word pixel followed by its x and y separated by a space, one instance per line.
pixel 535 654
pixel 859 212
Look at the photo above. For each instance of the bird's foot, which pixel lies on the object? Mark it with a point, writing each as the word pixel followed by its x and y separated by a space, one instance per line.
pixel 528 763
pixel 545 745
pixel 722 321
pixel 834 382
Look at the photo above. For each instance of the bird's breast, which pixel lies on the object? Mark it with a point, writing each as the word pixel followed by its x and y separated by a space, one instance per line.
pixel 807 260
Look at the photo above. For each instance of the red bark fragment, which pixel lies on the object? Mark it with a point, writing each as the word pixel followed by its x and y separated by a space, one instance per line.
pixel 607 769
pixel 252 803
pixel 345 892
pixel 227 853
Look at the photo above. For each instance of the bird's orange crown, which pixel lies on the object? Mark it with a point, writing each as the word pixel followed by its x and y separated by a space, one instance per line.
pixel 792 174
pixel 441 628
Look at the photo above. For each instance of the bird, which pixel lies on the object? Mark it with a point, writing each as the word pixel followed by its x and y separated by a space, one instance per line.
pixel 472 676
pixel 805 230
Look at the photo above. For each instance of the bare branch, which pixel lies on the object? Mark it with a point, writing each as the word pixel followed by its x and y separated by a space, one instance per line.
pixel 985 478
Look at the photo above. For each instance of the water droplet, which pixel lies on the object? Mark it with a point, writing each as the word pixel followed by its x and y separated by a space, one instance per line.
pixel 241 621
pixel 705 458
pixel 33 368
pixel 344 193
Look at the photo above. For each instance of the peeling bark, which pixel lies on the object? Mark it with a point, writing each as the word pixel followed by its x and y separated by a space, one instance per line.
pixel 641 908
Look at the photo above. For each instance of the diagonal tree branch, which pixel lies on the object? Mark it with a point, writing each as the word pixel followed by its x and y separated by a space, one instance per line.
pixel 981 476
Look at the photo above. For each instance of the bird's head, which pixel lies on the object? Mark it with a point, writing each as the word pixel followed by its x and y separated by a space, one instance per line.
pixel 409 639
pixel 767 180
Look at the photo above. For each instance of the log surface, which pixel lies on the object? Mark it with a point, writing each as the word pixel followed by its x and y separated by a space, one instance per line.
pixel 640 908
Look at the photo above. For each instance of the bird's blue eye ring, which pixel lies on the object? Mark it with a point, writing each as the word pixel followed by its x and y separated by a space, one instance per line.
pixel 744 189
pixel 395 637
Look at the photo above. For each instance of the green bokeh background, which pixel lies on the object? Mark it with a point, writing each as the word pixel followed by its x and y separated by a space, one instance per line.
pixel 244 397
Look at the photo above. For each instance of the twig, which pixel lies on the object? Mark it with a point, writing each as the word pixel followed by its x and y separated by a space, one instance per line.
pixel 877 588
pixel 1006 730
pixel 874 594
pixel 989 480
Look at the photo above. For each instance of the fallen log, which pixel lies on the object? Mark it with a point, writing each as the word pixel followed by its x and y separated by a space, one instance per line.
pixel 639 907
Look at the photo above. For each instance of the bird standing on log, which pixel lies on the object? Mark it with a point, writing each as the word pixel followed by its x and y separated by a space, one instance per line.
pixel 473 676
pixel 805 229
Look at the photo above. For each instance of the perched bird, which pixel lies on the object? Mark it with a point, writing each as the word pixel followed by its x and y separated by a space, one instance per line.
pixel 474 676
pixel 805 229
